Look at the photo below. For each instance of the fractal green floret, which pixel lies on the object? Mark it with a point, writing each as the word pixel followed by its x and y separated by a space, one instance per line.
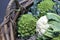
pixel 45 6
pixel 26 25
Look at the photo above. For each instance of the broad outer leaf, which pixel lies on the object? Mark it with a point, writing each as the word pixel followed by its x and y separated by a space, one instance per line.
pixel 54 21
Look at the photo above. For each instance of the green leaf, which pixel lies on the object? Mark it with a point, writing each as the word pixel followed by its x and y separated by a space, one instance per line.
pixel 54 21
pixel 55 25
pixel 53 16
pixel 49 34
pixel 56 38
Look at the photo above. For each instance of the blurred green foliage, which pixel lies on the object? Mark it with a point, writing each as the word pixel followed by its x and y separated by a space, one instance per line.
pixel 56 38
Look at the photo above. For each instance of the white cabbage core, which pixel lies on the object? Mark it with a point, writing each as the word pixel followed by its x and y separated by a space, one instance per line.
pixel 42 25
